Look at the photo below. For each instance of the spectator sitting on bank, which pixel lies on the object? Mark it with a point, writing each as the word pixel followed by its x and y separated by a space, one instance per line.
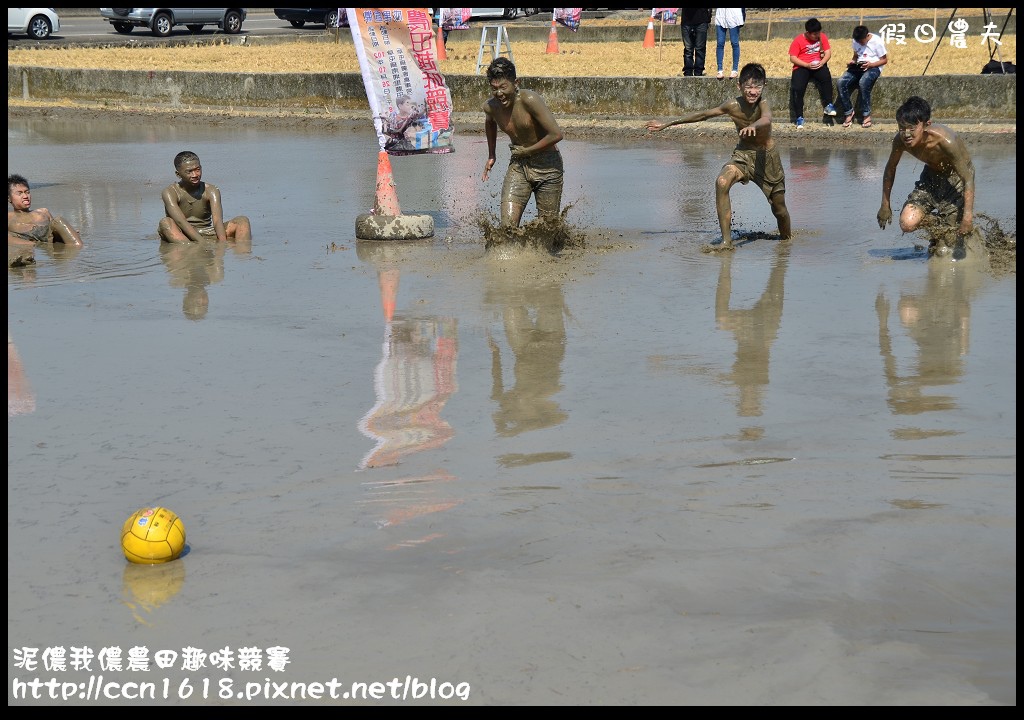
pixel 810 52
pixel 869 55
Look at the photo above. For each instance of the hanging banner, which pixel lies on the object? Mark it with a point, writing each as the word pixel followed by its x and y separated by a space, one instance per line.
pixel 666 15
pixel 455 18
pixel 570 17
pixel 409 100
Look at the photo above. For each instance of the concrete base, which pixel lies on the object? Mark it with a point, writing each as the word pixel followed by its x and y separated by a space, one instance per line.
pixel 394 227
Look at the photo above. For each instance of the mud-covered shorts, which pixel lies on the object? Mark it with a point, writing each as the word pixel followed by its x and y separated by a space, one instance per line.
pixel 205 228
pixel 941 194
pixel 540 175
pixel 762 166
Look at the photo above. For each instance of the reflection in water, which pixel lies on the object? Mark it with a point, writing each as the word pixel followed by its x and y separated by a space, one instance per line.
pixel 695 206
pixel 863 165
pixel 144 588
pixel 809 165
pixel 22 260
pixel 402 500
pixel 534 318
pixel 413 381
pixel 938 319
pixel 807 175
pixel 194 267
pixel 20 398
pixel 755 330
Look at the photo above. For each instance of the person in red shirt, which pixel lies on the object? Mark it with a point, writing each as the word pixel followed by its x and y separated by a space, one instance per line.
pixel 809 52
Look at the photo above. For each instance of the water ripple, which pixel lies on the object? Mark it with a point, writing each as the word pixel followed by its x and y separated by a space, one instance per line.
pixel 58 265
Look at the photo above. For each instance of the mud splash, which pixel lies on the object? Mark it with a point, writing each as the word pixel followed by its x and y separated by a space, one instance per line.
pixel 550 234
pixel 988 238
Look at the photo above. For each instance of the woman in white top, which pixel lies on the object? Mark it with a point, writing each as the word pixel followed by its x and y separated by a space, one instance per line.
pixel 728 20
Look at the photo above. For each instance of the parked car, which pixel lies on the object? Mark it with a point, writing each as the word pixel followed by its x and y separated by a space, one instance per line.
pixel 162 20
pixel 507 13
pixel 37 23
pixel 328 17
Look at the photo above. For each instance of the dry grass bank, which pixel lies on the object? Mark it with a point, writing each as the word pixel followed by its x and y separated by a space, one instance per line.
pixel 612 59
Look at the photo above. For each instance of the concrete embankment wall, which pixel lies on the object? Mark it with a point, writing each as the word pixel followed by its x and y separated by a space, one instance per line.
pixel 968 97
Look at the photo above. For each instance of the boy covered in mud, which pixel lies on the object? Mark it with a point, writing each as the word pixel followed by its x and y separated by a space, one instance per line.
pixel 194 210
pixel 946 186
pixel 26 227
pixel 535 167
pixel 756 157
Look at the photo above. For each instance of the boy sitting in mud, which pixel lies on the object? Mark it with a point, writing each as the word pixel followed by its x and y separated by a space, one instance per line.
pixel 946 186
pixel 756 157
pixel 26 227
pixel 194 210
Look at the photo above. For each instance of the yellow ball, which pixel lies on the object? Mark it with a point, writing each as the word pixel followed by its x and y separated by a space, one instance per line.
pixel 153 535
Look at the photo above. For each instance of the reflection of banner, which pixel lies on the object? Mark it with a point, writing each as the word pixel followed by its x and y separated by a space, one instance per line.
pixel 570 17
pixel 20 398
pixel 413 381
pixel 666 15
pixel 455 18
pixel 410 102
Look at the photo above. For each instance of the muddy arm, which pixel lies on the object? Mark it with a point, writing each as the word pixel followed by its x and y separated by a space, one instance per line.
pixel 64 232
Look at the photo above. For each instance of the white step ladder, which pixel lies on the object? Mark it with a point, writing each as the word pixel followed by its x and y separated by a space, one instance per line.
pixel 500 37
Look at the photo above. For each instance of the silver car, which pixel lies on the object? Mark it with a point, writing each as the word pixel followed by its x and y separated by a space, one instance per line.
pixel 162 20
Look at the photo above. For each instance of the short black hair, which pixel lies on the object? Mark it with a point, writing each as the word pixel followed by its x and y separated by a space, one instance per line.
pixel 753 71
pixel 812 25
pixel 860 33
pixel 501 68
pixel 14 179
pixel 913 111
pixel 183 157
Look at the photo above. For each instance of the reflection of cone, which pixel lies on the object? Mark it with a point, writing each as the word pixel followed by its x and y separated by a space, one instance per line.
pixel 552 39
pixel 388 280
pixel 649 35
pixel 386 201
pixel 442 52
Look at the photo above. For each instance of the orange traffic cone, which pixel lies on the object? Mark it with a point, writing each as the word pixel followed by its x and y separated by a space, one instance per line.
pixel 386 200
pixel 442 52
pixel 553 39
pixel 649 35
pixel 388 281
